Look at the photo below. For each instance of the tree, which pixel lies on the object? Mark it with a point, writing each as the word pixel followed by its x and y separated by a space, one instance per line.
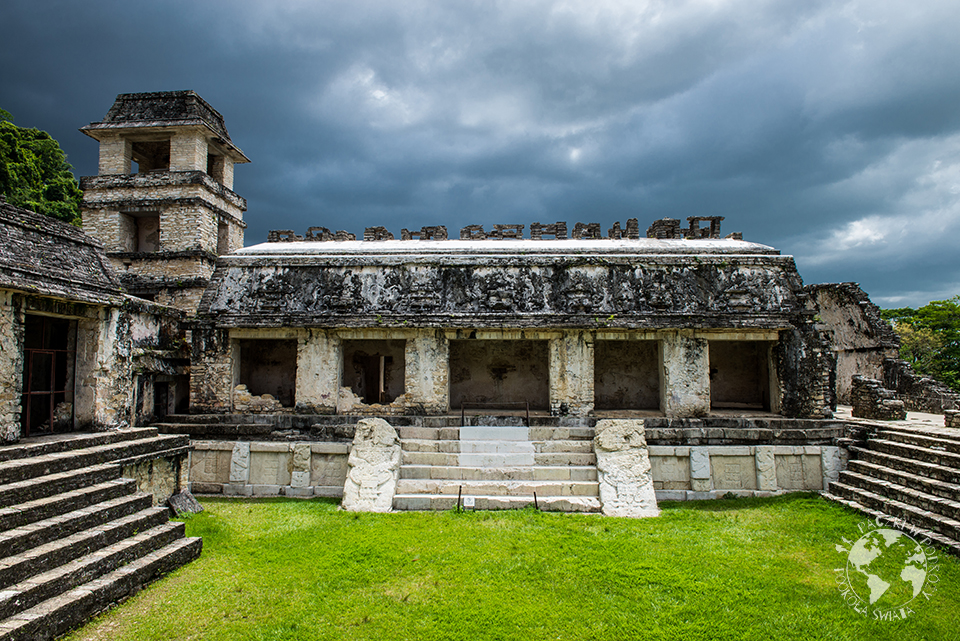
pixel 930 338
pixel 35 174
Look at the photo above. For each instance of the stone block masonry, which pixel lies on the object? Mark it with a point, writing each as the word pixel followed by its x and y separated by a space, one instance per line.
pixel 951 418
pixel 871 400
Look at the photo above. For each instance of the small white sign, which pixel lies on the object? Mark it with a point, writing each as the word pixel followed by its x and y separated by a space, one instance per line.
pixel 469 501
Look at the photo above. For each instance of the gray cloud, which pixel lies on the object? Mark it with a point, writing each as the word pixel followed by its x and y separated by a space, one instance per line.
pixel 827 129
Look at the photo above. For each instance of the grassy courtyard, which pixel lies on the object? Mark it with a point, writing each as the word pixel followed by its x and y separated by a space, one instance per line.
pixel 277 569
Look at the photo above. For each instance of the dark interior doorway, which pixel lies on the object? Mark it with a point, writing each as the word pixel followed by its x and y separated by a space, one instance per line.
pixel 269 366
pixel 375 370
pixel 500 374
pixel 740 375
pixel 49 361
pixel 626 375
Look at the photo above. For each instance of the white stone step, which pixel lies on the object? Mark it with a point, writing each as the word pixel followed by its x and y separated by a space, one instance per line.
pixel 498 488
pixel 545 503
pixel 454 446
pixel 529 473
pixel 496 459
pixel 498 433
pixel 496 447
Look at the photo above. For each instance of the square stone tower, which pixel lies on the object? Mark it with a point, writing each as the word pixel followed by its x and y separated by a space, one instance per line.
pixel 163 203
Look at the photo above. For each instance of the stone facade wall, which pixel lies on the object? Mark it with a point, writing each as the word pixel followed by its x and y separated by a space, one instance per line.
pixel 707 472
pixel 918 393
pixel 951 418
pixel 871 400
pixel 11 368
pixel 268 468
pixel 679 472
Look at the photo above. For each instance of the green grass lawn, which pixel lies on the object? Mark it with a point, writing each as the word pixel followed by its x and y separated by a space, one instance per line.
pixel 277 569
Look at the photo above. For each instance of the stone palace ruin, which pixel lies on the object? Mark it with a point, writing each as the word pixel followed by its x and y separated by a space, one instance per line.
pixel 493 352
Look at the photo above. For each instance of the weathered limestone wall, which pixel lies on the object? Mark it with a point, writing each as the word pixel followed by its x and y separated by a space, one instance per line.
pixel 685 375
pixel 11 368
pixel 268 468
pixel 572 374
pixel 951 418
pixel 712 471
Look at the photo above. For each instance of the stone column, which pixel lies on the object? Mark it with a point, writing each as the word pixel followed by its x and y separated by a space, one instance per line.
pixel 571 373
pixel 623 469
pixel 11 369
pixel 116 154
pixel 318 372
pixel 188 151
pixel 211 369
pixel 685 376
pixel 373 467
pixel 427 357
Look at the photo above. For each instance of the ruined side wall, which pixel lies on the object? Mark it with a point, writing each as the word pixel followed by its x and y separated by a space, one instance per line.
pixel 855 331
pixel 11 368
pixel 805 366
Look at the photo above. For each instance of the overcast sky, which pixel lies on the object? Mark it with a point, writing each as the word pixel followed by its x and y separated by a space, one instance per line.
pixel 830 130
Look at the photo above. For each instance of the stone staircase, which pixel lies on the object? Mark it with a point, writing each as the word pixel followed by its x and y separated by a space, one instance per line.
pixel 498 467
pixel 906 474
pixel 75 537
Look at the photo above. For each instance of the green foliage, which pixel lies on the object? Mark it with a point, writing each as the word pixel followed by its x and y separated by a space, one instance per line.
pixel 723 570
pixel 35 174
pixel 930 338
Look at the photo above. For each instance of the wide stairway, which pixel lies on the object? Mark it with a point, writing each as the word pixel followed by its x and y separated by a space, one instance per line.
pixel 75 537
pixel 909 475
pixel 498 467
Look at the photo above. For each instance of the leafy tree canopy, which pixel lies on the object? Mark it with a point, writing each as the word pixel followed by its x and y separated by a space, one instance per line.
pixel 35 174
pixel 930 337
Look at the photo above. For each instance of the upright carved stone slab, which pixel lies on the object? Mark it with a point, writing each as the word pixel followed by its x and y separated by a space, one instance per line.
pixel 373 467
pixel 623 468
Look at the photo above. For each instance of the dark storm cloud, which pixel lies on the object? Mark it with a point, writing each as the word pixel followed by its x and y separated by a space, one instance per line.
pixel 827 129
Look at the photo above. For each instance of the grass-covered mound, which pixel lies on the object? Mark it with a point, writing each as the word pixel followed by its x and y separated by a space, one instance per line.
pixel 730 569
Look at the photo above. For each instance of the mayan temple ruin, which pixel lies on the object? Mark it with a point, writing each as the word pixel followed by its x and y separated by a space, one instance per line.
pixel 552 363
